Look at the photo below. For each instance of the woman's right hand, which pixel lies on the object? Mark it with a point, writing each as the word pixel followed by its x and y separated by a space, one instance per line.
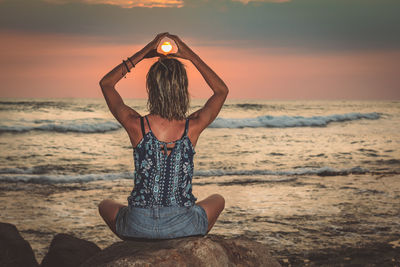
pixel 150 50
pixel 183 50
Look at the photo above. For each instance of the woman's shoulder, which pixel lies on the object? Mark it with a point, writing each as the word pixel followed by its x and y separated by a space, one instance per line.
pixel 154 118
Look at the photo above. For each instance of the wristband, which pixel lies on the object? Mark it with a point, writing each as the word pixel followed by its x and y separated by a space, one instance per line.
pixel 126 65
pixel 133 65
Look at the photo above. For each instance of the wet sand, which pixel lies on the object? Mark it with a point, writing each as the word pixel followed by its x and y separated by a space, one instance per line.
pixel 306 220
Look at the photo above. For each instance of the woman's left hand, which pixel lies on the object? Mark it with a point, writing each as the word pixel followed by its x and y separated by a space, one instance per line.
pixel 151 54
pixel 151 48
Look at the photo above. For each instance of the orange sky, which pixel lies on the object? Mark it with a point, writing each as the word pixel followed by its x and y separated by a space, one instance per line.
pixel 61 65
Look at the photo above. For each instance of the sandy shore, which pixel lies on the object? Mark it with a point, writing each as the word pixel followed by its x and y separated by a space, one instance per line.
pixel 304 220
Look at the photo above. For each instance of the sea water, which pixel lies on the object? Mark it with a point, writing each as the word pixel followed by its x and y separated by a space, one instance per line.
pixel 71 140
pixel 295 174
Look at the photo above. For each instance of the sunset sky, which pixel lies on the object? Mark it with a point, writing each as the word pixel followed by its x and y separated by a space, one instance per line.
pixel 276 49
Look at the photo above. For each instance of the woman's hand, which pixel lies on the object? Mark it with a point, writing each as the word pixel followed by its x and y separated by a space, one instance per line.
pixel 150 50
pixel 152 53
pixel 183 50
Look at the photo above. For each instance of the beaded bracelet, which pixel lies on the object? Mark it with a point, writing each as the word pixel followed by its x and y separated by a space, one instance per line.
pixel 126 65
pixel 133 65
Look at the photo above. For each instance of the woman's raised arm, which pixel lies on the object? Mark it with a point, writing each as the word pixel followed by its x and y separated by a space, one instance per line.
pixel 114 101
pixel 210 110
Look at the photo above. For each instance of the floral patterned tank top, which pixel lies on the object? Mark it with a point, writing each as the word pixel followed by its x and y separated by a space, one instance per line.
pixel 162 180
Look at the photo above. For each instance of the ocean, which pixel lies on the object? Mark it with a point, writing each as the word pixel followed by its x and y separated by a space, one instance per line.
pixel 297 175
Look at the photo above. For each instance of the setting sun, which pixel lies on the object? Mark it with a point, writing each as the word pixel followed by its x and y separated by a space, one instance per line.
pixel 166 47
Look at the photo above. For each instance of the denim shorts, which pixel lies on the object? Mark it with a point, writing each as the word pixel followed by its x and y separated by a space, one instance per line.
pixel 161 222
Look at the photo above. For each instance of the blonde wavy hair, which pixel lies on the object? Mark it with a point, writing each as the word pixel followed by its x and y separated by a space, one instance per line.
pixel 167 87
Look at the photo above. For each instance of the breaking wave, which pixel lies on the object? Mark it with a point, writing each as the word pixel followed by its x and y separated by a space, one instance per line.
pixel 92 125
pixel 27 175
pixel 291 121
pixel 97 125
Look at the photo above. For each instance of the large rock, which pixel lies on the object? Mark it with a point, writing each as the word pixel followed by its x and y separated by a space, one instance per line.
pixel 68 251
pixel 210 250
pixel 15 251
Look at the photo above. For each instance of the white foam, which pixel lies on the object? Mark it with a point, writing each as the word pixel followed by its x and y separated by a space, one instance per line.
pixel 290 121
pixel 64 179
pixel 90 125
pixel 323 171
pixel 16 171
pixel 26 175
pixel 97 125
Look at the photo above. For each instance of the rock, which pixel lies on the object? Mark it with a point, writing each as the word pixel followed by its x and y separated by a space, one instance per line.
pixel 14 249
pixel 211 250
pixel 68 251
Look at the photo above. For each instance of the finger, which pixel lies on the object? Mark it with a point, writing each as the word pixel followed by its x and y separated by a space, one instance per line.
pixel 158 54
pixel 159 38
pixel 163 33
pixel 175 55
pixel 153 51
pixel 173 37
pixel 176 39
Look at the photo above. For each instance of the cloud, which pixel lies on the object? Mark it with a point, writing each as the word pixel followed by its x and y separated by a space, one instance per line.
pixel 156 3
pixel 301 24
pixel 125 3
pixel 262 1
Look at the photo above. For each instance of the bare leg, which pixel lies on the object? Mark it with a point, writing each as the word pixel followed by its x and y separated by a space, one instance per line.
pixel 108 209
pixel 213 205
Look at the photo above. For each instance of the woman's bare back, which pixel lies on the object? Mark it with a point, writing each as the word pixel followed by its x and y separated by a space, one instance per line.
pixel 163 130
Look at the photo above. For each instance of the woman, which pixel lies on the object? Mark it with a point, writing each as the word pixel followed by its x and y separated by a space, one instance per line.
pixel 161 204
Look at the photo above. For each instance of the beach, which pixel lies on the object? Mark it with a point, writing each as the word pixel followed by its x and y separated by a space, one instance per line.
pixel 301 217
pixel 315 181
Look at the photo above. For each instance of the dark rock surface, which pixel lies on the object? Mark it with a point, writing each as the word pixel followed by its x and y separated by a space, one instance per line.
pixel 374 254
pixel 68 251
pixel 14 249
pixel 210 250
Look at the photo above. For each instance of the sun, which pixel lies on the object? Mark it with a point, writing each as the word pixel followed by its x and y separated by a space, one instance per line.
pixel 166 47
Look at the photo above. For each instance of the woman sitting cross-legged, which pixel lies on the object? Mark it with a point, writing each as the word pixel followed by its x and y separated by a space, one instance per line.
pixel 161 204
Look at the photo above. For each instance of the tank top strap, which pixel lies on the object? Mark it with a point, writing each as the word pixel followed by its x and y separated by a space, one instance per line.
pixel 148 122
pixel 142 125
pixel 186 127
